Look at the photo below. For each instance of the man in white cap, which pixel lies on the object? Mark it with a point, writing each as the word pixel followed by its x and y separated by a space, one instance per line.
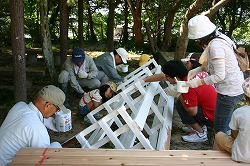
pixel 238 142
pixel 24 127
pixel 107 63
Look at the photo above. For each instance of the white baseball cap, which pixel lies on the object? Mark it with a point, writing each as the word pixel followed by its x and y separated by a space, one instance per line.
pixel 188 58
pixel 200 26
pixel 123 54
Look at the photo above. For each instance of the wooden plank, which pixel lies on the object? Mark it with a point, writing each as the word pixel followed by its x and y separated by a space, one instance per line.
pixel 74 156
pixel 120 160
pixel 122 152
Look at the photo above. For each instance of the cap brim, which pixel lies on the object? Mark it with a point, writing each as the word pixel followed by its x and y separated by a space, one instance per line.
pixel 124 60
pixel 185 60
pixel 77 60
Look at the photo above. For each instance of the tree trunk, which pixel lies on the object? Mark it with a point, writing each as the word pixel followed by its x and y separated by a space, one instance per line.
pixel 125 27
pixel 182 41
pixel 168 25
pixel 136 13
pixel 91 23
pixel 80 23
pixel 110 28
pixel 63 30
pixel 47 46
pixel 18 50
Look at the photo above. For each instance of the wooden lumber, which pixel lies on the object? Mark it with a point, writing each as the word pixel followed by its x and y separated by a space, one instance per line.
pixel 101 157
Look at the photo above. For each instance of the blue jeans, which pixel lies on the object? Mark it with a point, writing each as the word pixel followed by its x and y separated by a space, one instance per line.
pixel 225 106
pixel 83 110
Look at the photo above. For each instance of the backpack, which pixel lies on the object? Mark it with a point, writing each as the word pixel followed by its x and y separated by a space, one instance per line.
pixel 242 56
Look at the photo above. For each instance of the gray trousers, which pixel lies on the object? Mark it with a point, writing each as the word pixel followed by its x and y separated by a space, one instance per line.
pixel 93 83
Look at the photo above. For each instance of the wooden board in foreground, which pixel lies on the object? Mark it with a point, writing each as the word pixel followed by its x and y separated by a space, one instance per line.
pixel 115 157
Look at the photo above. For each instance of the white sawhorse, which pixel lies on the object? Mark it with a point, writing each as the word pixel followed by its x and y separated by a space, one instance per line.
pixel 139 117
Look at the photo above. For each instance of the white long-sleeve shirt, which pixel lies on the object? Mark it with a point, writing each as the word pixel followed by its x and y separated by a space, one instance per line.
pixel 23 127
pixel 224 72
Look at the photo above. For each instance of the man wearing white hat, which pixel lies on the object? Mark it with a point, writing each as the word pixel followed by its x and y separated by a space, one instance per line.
pixel 107 63
pixel 24 127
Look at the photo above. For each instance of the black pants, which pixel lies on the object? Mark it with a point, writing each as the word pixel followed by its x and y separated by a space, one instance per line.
pixel 187 119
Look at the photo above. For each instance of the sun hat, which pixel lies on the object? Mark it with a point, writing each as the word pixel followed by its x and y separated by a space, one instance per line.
pixel 113 86
pixel 53 95
pixel 144 58
pixel 78 55
pixel 200 26
pixel 123 54
pixel 246 87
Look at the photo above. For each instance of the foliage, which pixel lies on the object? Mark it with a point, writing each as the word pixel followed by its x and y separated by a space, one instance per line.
pixel 5 23
pixel 32 21
pixel 154 12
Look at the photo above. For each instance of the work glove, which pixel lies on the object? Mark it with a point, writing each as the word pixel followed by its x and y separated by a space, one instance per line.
pixel 171 90
pixel 142 81
pixel 82 74
pixel 193 72
pixel 194 83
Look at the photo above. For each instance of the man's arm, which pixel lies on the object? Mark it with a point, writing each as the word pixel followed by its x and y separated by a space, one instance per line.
pixel 155 77
pixel 91 68
pixel 73 81
pixel 192 111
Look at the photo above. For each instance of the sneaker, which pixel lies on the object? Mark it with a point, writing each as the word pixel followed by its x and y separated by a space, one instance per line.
pixel 187 129
pixel 98 116
pixel 204 128
pixel 195 137
pixel 86 120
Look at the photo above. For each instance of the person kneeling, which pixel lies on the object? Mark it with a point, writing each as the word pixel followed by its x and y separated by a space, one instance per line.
pixel 93 99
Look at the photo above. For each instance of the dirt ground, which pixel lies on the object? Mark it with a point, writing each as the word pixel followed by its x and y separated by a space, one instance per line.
pixel 6 102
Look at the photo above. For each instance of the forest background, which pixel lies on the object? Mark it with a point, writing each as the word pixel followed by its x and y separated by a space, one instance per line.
pixel 141 26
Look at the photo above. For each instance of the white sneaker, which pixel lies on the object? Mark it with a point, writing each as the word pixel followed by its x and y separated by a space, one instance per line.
pixel 187 129
pixel 195 137
pixel 204 128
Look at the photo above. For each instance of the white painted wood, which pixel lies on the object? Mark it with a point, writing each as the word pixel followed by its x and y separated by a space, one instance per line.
pixel 126 116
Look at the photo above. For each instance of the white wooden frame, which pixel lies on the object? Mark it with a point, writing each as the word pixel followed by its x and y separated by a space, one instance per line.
pixel 126 124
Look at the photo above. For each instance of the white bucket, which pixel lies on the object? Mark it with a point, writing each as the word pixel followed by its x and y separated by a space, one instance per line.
pixel 182 87
pixel 124 68
pixel 63 120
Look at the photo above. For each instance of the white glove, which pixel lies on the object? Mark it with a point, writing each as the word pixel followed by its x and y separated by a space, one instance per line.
pixel 82 74
pixel 193 72
pixel 194 83
pixel 142 82
pixel 171 90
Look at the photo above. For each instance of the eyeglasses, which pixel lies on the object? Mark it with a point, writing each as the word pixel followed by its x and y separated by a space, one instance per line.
pixel 57 108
